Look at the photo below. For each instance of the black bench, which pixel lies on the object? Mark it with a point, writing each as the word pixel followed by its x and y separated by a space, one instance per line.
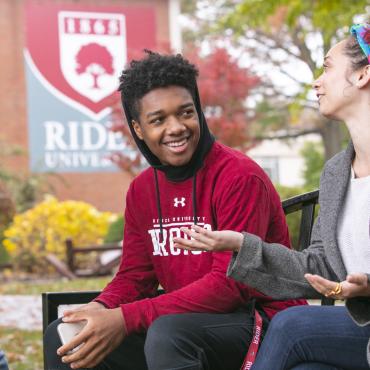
pixel 304 203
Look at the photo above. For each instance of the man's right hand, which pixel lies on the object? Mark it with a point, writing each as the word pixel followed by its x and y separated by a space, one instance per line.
pixel 105 329
pixel 92 306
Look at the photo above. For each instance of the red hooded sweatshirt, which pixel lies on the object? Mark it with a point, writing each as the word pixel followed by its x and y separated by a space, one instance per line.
pixel 231 193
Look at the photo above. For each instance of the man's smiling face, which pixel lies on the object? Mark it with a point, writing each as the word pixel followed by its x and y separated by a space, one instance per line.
pixel 169 124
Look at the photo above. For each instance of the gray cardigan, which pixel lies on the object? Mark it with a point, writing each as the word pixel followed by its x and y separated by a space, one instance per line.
pixel 279 272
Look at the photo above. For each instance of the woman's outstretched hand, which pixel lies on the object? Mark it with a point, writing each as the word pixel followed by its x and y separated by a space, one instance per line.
pixel 355 285
pixel 201 239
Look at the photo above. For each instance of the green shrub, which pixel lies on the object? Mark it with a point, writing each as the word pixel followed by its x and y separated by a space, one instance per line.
pixel 313 154
pixel 115 231
pixel 4 255
pixel 44 229
pixel 294 219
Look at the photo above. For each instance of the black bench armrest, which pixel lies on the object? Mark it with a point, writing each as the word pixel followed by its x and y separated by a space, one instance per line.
pixel 52 300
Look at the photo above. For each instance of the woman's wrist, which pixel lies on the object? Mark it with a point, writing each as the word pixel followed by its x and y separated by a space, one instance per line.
pixel 239 242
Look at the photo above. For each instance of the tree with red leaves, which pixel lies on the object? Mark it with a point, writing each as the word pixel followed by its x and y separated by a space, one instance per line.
pixel 223 88
pixel 96 60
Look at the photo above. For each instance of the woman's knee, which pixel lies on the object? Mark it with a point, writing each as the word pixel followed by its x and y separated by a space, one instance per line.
pixel 287 321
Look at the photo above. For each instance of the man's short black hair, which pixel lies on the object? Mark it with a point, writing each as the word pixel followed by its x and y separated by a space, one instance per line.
pixel 155 71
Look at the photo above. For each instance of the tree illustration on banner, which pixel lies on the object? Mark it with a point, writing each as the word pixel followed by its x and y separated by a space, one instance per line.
pixel 95 60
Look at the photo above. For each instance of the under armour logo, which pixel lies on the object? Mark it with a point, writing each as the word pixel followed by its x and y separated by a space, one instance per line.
pixel 177 202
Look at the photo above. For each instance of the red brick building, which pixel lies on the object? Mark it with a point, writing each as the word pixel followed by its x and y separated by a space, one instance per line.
pixel 19 104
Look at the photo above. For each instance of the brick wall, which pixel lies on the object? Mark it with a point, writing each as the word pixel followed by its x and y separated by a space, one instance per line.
pixel 104 190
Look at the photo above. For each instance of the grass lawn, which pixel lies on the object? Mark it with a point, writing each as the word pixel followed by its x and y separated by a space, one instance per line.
pixel 23 349
pixel 60 285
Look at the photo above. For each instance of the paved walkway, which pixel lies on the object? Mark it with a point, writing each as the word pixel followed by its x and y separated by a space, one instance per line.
pixel 21 311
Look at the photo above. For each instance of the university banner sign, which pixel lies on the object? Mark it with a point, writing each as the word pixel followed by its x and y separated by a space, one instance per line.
pixel 74 55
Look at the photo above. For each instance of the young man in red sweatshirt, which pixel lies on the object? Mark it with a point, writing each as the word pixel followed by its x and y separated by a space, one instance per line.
pixel 204 320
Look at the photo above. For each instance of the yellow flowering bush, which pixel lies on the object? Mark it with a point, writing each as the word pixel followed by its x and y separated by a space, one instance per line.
pixel 44 229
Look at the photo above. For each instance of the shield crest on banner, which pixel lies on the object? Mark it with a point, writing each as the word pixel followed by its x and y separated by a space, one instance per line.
pixel 92 49
pixel 76 53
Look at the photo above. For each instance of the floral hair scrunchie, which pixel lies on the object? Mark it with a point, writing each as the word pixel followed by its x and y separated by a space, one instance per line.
pixel 362 33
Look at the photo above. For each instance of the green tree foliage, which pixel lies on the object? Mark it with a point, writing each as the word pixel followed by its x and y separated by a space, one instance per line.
pixel 313 163
pixel 313 155
pixel 19 191
pixel 286 192
pixel 283 36
pixel 326 17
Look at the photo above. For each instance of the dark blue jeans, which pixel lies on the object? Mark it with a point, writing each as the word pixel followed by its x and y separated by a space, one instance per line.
pixel 313 338
pixel 3 363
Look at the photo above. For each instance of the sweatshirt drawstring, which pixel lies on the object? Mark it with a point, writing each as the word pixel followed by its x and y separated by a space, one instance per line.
pixel 158 200
pixel 194 196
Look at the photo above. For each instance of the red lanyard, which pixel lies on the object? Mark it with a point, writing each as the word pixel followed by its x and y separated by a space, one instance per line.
pixel 253 347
